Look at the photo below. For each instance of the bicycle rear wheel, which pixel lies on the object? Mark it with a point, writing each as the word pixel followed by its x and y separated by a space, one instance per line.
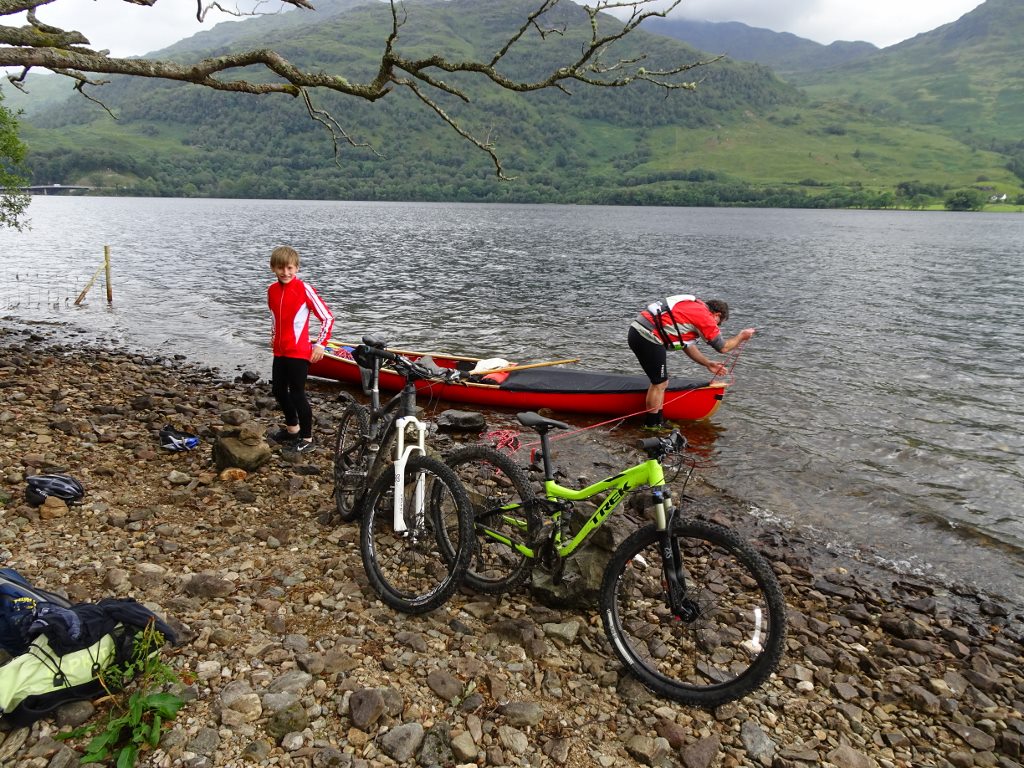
pixel 503 512
pixel 412 570
pixel 351 460
pixel 731 634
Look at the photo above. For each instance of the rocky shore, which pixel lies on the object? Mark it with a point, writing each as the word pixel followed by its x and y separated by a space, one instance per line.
pixel 288 660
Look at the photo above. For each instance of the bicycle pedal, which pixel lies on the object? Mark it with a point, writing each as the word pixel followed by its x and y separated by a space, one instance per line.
pixel 558 572
pixel 548 557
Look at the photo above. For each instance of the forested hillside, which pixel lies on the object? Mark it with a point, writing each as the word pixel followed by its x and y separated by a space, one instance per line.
pixel 743 137
pixel 964 79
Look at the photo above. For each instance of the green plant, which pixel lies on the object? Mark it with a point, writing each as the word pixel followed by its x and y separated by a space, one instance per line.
pixel 141 704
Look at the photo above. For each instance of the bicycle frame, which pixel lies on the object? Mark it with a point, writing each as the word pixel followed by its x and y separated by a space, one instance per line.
pixel 382 423
pixel 647 473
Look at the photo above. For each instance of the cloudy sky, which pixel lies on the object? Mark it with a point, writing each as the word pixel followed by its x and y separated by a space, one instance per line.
pixel 882 22
pixel 127 29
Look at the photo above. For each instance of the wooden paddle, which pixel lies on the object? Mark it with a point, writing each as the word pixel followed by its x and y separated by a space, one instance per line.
pixel 444 355
pixel 528 365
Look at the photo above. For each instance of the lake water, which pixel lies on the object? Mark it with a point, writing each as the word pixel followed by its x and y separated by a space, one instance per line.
pixel 878 408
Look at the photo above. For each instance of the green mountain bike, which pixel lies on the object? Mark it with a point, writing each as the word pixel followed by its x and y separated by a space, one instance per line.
pixel 691 609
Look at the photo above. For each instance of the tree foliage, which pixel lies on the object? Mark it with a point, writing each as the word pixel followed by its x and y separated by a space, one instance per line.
pixel 12 153
pixel 965 200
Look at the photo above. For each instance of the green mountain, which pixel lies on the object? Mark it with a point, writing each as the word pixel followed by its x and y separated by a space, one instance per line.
pixel 744 137
pixel 782 51
pixel 964 79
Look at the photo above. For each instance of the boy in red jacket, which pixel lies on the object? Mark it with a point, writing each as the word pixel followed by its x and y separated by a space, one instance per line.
pixel 291 302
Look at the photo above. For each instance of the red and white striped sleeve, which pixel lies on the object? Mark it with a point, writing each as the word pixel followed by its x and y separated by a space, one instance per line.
pixel 323 314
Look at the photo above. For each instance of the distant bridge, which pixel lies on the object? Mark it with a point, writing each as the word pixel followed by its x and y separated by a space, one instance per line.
pixel 55 189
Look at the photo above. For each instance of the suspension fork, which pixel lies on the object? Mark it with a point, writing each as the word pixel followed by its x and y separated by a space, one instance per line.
pixel 671 558
pixel 402 454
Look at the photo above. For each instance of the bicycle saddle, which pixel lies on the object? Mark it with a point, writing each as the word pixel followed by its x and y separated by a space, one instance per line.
pixel 540 423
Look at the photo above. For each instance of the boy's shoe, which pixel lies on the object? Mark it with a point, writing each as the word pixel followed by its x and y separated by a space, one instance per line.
pixel 303 446
pixel 284 436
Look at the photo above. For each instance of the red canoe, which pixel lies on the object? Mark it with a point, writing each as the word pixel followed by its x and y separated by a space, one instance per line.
pixel 531 387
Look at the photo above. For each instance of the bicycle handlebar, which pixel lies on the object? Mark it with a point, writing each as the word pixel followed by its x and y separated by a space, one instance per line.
pixel 659 447
pixel 409 369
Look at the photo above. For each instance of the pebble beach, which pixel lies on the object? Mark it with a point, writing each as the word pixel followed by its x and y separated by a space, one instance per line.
pixel 286 658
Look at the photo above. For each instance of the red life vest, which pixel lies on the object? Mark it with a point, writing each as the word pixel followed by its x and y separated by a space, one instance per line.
pixel 679 320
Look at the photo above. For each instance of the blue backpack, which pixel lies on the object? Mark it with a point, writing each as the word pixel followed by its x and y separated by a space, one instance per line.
pixel 18 602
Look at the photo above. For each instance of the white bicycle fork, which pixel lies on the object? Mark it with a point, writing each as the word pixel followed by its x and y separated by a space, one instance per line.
pixel 402 454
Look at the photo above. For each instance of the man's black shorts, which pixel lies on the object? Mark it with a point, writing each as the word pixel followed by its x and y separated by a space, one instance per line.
pixel 652 357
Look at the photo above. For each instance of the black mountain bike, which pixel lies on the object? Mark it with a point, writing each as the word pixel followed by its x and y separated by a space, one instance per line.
pixel 416 536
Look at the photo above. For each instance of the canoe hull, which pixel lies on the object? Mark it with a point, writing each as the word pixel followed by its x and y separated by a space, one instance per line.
pixel 570 391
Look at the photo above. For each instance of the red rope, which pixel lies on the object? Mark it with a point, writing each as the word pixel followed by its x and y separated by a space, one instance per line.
pixel 504 439
pixel 731 359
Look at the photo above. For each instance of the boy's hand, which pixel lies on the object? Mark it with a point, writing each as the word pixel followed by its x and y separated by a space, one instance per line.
pixel 317 355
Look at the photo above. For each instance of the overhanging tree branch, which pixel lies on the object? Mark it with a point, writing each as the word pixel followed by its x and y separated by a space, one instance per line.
pixel 266 71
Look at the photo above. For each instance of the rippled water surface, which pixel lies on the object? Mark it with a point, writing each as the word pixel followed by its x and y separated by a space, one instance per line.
pixel 880 403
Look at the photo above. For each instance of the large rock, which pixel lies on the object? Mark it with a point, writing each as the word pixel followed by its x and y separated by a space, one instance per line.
pixel 460 421
pixel 231 452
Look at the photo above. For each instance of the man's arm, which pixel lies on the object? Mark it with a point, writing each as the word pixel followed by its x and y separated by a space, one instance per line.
pixel 719 346
pixel 326 318
pixel 698 357
pixel 736 340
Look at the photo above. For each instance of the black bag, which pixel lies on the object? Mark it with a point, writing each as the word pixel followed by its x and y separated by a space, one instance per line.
pixel 68 651
pixel 18 603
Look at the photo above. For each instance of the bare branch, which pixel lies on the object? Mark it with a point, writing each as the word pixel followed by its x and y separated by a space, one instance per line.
pixel 485 146
pixel 531 21
pixel 80 87
pixel 8 7
pixel 68 52
pixel 203 9
pixel 333 127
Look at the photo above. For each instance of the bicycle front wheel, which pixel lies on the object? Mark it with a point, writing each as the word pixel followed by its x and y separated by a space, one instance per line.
pixel 503 514
pixel 351 460
pixel 728 635
pixel 412 570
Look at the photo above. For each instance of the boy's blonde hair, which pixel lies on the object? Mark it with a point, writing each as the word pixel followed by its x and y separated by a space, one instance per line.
pixel 283 256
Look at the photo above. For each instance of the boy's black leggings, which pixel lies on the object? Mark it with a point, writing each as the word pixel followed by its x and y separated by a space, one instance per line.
pixel 288 384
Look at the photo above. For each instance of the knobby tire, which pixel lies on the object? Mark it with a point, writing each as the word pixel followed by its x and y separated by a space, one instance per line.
pixel 733 641
pixel 502 498
pixel 351 461
pixel 412 571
